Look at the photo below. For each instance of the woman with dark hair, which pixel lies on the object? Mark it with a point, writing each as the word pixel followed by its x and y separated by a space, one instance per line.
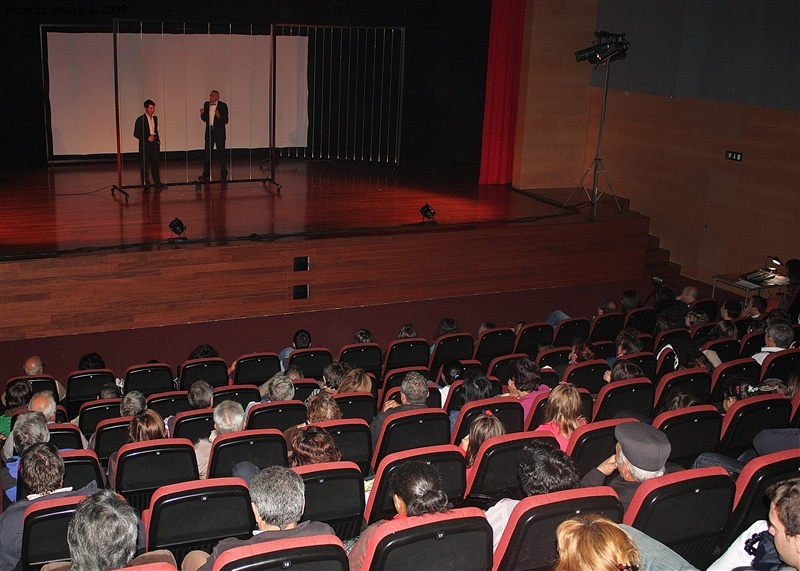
pixel 18 394
pixel 445 327
pixel 147 425
pixel 416 489
pixel 407 331
pixel 313 445
pixel 476 388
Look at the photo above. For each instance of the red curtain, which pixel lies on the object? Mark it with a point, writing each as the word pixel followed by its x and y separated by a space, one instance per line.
pixel 502 91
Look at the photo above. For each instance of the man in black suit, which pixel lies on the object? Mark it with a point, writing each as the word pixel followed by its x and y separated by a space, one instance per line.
pixel 146 130
pixel 215 115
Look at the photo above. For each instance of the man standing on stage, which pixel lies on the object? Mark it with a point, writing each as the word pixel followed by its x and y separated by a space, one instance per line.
pixel 215 115
pixel 146 130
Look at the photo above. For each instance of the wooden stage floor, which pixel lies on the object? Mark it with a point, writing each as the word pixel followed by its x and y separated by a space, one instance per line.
pixel 70 209
pixel 76 259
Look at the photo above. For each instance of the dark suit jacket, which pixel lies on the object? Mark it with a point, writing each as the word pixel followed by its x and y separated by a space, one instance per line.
pixel 218 131
pixel 141 129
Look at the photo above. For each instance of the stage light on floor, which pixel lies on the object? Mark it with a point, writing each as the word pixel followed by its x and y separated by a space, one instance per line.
pixel 178 228
pixel 428 213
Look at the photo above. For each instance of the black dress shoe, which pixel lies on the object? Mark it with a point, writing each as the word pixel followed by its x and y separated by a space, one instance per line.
pixel 203 177
pixel 146 187
pixel 224 178
pixel 161 186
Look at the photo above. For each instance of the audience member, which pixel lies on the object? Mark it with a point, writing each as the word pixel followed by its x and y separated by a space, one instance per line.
pixel 483 427
pixel 413 392
pixel 91 361
pixel 756 305
pixel 292 373
pixel 313 445
pixel 541 469
pixel 781 533
pixel 146 425
pixel 363 336
pixel 524 382
pixel 731 309
pixel 630 300
pixel 34 367
pixel 204 351
pixel 452 371
pixel 319 408
pixel 778 336
pixel 200 396
pixel 132 404
pixel 102 536
pixel 677 313
pixel 694 318
pixel 228 417
pixel 41 471
pixel 642 453
pixel 591 541
pixel 474 388
pixel 30 429
pixel 765 442
pixel 446 327
pixel 18 394
pixel 623 370
pixel 416 489
pixel 301 340
pixel 277 498
pixel 627 342
pixel 407 331
pixel 563 414
pixel 43 402
pixel 333 375
pixel 110 391
pixel 356 381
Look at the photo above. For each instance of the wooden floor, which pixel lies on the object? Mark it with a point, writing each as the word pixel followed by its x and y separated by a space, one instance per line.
pixel 67 209
pixel 76 259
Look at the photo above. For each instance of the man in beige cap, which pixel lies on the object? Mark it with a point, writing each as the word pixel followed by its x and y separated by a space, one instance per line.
pixel 642 453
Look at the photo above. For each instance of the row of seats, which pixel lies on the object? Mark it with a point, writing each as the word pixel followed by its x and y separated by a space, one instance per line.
pixel 492 353
pixel 714 509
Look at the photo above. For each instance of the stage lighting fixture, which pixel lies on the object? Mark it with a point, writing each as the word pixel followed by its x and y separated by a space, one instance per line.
pixel 177 227
pixel 610 47
pixel 427 212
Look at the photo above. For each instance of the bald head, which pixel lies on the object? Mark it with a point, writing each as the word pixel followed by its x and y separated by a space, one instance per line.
pixel 33 365
pixel 44 402
pixel 689 294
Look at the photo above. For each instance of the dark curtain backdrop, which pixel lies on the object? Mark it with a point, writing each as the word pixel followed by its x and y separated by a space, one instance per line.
pixel 502 91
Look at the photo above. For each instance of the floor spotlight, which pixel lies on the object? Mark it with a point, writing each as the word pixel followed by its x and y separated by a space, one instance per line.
pixel 428 213
pixel 178 228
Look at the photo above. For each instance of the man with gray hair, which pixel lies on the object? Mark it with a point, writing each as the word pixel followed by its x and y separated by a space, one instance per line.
pixel 102 536
pixel 642 453
pixel 778 336
pixel 30 428
pixel 277 496
pixel 413 393
pixel 279 388
pixel 228 417
pixel 43 402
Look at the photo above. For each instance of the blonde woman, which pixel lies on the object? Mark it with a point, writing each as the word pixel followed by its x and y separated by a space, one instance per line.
pixel 593 542
pixel 562 415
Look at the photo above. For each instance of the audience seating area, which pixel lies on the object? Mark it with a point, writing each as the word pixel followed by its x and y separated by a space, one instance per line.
pixel 160 478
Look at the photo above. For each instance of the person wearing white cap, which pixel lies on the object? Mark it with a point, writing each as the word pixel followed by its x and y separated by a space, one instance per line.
pixel 642 453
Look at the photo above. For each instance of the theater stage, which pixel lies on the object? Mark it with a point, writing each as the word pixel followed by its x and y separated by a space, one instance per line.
pixel 75 258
